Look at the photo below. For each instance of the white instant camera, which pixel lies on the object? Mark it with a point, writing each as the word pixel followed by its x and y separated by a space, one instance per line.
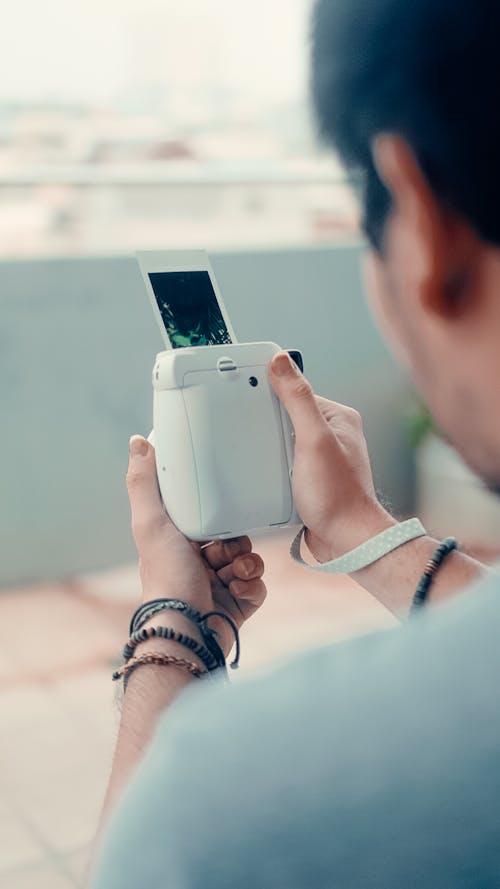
pixel 224 444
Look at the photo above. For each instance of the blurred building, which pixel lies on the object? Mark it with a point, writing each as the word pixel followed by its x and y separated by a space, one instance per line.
pixel 82 180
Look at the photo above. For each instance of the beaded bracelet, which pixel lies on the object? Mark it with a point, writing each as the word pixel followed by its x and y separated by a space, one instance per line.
pixel 168 633
pixel 444 549
pixel 164 660
pixel 154 606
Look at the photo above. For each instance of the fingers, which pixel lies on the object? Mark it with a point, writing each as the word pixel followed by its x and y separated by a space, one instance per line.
pixel 148 513
pixel 296 394
pixel 240 584
pixel 222 552
pixel 245 568
pixel 249 592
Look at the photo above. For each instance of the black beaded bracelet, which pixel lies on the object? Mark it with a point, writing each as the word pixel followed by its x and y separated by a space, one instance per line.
pixel 154 606
pixel 444 549
pixel 205 656
pixel 149 609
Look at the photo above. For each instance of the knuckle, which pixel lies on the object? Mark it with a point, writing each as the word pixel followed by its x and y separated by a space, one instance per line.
pixel 321 401
pixel 302 388
pixel 354 417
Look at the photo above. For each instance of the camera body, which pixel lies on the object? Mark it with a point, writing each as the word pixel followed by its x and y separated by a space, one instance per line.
pixel 224 443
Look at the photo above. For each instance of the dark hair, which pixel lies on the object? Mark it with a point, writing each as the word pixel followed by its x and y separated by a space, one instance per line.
pixel 428 70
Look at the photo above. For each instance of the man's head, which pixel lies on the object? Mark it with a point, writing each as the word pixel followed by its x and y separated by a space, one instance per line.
pixel 408 92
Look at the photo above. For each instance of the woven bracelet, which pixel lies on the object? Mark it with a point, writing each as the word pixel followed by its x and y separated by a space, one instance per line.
pixel 433 565
pixel 145 633
pixel 149 609
pixel 157 658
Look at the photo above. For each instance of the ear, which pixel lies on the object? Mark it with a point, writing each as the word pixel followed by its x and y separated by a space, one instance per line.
pixel 437 247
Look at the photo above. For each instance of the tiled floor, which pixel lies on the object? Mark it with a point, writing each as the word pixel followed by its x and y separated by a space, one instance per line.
pixel 57 704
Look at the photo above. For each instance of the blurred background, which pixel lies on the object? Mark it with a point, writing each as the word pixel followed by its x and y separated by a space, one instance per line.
pixel 130 125
pixel 127 125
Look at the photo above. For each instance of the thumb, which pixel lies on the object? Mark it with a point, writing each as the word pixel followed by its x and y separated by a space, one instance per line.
pixel 297 395
pixel 148 513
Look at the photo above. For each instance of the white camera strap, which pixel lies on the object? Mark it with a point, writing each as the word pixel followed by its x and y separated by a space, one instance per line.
pixel 367 553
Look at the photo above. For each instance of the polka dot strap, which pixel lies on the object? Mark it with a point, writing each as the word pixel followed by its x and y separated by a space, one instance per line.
pixel 368 552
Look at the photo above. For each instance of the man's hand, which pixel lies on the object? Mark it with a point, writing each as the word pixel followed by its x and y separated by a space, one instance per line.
pixel 223 576
pixel 332 479
pixel 334 493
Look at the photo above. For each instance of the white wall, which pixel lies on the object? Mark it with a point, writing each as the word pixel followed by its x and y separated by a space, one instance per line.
pixel 77 344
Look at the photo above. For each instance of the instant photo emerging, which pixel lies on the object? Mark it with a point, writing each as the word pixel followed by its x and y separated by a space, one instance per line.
pixel 186 300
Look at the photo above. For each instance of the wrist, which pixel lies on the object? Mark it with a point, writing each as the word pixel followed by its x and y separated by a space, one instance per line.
pixel 394 579
pixel 342 537
pixel 197 599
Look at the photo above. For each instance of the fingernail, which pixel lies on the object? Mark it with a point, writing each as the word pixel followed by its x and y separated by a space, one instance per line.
pixel 283 365
pixel 138 446
pixel 247 565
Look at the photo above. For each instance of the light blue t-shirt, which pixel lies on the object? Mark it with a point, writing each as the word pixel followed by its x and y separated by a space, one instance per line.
pixel 374 763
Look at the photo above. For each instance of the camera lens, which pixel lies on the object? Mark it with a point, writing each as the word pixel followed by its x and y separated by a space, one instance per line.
pixel 253 381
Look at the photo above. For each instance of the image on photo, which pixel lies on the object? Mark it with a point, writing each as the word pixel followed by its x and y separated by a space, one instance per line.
pixel 189 309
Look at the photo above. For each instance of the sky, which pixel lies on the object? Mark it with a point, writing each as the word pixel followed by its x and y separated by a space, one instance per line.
pixel 100 51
